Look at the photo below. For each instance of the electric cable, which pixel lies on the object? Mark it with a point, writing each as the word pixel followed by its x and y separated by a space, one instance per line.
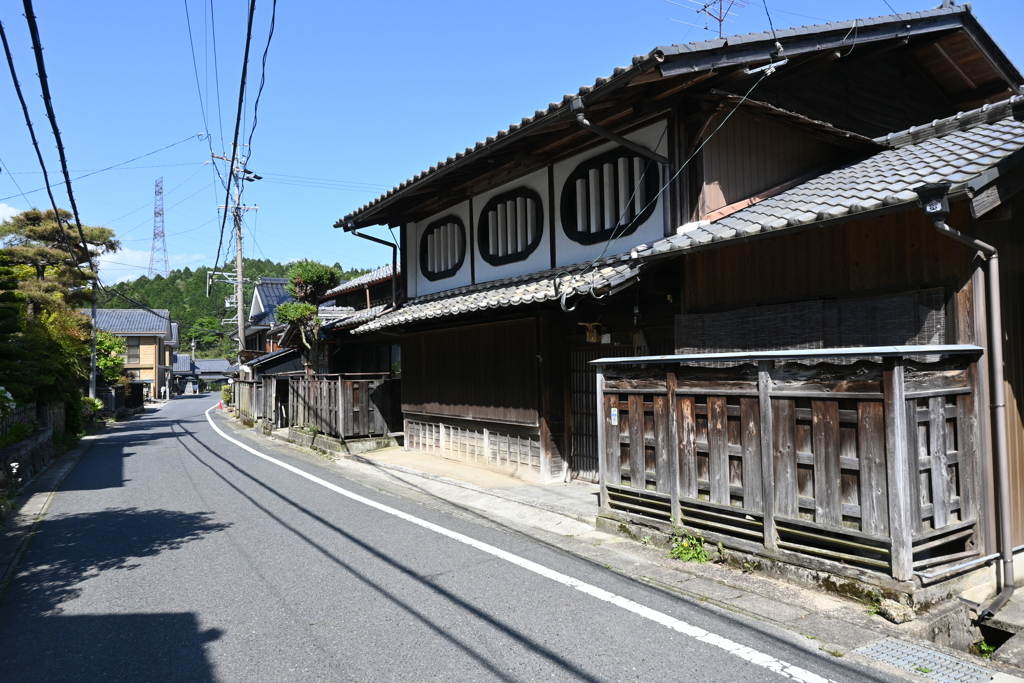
pixel 110 168
pixel 39 154
pixel 15 181
pixel 238 123
pixel 263 74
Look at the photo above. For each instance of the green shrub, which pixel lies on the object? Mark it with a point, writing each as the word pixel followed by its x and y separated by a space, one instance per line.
pixel 225 393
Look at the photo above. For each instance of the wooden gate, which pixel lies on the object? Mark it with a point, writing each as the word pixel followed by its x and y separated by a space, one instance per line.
pixel 868 465
pixel 583 418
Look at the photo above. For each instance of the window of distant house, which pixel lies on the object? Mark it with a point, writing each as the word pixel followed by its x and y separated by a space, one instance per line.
pixel 510 227
pixel 609 196
pixel 133 355
pixel 443 248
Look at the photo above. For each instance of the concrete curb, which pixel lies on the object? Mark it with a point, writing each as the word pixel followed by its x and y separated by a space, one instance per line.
pixel 24 520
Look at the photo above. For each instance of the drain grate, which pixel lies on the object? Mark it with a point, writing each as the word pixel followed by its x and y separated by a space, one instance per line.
pixel 927 662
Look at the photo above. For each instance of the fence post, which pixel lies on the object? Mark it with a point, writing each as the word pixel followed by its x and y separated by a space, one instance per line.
pixel 602 473
pixel 673 444
pixel 764 389
pixel 901 519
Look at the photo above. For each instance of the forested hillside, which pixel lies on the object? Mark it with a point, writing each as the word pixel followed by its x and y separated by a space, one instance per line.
pixel 183 292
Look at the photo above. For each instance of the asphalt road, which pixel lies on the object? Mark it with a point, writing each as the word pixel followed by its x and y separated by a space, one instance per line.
pixel 171 553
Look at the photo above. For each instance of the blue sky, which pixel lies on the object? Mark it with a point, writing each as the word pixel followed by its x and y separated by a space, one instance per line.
pixel 358 98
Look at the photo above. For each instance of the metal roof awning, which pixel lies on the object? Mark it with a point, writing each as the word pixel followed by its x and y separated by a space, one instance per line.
pixel 799 354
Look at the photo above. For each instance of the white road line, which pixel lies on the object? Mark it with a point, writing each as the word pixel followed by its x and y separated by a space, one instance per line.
pixel 759 658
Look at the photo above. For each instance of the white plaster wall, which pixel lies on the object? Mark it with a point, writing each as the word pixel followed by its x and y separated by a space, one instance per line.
pixel 416 230
pixel 568 252
pixel 540 259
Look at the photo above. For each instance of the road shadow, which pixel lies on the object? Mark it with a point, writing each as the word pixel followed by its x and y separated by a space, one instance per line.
pixel 72 548
pixel 106 647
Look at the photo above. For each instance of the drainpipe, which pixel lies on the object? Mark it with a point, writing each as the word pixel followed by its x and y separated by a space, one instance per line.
pixel 577 107
pixel 394 262
pixel 936 205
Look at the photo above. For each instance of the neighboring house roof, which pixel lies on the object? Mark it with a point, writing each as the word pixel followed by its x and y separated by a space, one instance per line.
pixel 132 320
pixel 970 150
pixel 279 355
pixel 358 317
pixel 382 274
pixel 174 334
pixel 211 365
pixel 271 293
pixel 183 364
pixel 707 56
pixel 607 274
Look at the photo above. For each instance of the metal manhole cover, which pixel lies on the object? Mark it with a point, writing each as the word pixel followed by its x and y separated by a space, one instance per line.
pixel 926 662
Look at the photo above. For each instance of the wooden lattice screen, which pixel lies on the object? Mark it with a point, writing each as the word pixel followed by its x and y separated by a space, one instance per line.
pixel 858 464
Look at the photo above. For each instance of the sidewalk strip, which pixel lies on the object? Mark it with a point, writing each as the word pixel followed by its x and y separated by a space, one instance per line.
pixel 749 654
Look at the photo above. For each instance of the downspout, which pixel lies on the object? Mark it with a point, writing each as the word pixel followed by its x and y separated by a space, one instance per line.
pixel 577 107
pixel 937 207
pixel 394 262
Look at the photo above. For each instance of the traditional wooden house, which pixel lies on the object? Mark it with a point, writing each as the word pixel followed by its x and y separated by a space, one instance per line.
pixel 516 251
pixel 837 352
pixel 262 328
pixel 367 297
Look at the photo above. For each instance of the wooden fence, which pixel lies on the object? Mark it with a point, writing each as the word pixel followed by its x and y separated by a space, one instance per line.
pixel 25 413
pixel 248 399
pixel 336 405
pixel 343 406
pixel 865 467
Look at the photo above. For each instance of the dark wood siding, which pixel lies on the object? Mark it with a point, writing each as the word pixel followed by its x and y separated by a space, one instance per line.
pixel 898 252
pixel 478 372
pixel 750 155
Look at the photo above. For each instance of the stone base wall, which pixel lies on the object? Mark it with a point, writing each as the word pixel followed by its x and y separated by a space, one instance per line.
pixel 23 460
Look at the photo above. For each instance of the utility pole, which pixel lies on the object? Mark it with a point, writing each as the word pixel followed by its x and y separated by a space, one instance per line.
pixel 239 175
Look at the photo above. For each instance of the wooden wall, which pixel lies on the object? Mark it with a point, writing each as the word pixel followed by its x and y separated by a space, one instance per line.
pixel 749 155
pixel 898 252
pixel 481 372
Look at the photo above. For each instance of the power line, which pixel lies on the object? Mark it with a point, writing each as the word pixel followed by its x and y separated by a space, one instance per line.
pixel 195 69
pixel 108 168
pixel 44 85
pixel 35 144
pixel 15 181
pixel 216 74
pixel 263 74
pixel 238 123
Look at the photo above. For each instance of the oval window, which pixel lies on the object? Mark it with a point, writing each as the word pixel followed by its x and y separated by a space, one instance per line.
pixel 442 248
pixel 609 196
pixel 510 226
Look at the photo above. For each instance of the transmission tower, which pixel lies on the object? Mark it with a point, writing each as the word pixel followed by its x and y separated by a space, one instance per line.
pixel 158 253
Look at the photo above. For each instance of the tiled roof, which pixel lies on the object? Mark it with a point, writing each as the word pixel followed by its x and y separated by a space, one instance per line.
pixel 183 364
pixel 208 365
pixel 699 56
pixel 174 334
pixel 132 320
pixel 378 275
pixel 334 312
pixel 964 149
pixel 272 293
pixel 271 356
pixel 358 317
pixel 548 285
